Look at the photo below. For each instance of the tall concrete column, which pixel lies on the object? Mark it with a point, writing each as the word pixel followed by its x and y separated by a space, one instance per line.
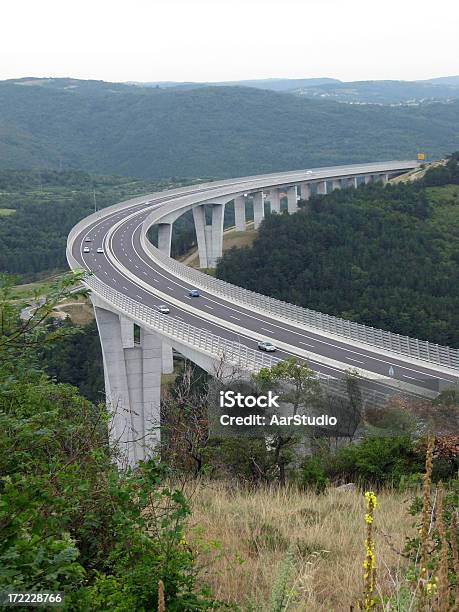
pixel 274 200
pixel 218 214
pixel 239 213
pixel 367 178
pixel 165 238
pixel 356 182
pixel 292 203
pixel 167 358
pixel 132 385
pixel 202 237
pixel 352 181
pixel 336 184
pixel 209 237
pixel 305 191
pixel 151 383
pixel 258 209
pixel 322 187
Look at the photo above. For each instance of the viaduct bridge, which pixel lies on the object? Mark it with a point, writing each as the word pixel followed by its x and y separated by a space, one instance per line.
pixel 132 278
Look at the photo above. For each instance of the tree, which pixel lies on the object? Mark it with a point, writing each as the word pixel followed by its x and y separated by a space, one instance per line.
pixel 299 389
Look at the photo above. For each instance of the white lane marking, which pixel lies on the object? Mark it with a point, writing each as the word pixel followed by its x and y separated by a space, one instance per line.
pixel 237 318
pixel 170 288
pixel 207 306
pixel 139 296
pixel 356 360
pixel 306 344
pixel 271 331
pixel 125 288
pixel 290 331
pixel 412 377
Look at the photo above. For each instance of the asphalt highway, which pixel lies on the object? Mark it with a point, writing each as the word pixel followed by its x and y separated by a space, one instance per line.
pixel 218 315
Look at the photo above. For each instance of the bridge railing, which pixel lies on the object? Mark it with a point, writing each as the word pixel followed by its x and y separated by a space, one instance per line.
pixel 233 353
pixel 376 338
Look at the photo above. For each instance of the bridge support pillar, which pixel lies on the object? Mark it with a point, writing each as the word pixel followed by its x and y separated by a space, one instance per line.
pixel 258 209
pixel 292 202
pixel 367 179
pixel 336 184
pixel 165 238
pixel 167 358
pixel 274 200
pixel 132 385
pixel 209 237
pixel 239 213
pixel 322 188
pixel 305 191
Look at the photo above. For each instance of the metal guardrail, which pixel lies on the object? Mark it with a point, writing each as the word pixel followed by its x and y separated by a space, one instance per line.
pixel 341 328
pixel 377 338
pixel 234 353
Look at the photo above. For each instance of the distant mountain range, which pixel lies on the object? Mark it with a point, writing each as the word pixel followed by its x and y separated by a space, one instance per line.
pixel 384 92
pixel 206 131
pixel 356 92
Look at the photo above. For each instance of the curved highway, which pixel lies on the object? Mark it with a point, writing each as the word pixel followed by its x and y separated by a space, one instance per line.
pixel 126 266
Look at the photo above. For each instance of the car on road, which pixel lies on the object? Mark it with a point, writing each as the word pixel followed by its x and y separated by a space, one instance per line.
pixel 100 250
pixel 193 293
pixel 86 250
pixel 265 345
pixel 164 309
pixel 87 240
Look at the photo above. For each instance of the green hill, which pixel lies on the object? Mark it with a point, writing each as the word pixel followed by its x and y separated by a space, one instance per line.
pixel 214 131
pixel 386 257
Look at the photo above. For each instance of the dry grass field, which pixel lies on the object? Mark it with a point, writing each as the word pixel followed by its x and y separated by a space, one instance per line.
pixel 250 534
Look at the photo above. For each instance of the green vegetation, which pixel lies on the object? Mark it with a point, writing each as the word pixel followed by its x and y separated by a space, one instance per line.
pixel 212 131
pixel 70 520
pixel 6 212
pixel 119 538
pixel 386 257
pixel 48 204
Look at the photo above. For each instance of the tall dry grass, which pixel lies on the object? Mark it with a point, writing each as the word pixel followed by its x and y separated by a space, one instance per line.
pixel 245 536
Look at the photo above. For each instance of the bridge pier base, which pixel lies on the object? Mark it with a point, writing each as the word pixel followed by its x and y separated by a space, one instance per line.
pixel 132 384
pixel 167 358
pixel 292 202
pixel 322 188
pixel 367 179
pixel 239 213
pixel 258 209
pixel 274 200
pixel 165 238
pixel 209 237
pixel 336 184
pixel 305 191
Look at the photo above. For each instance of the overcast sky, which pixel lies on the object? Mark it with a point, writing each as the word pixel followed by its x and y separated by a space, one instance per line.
pixel 217 40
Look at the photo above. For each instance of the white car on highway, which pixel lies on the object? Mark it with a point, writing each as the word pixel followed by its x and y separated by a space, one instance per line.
pixel 265 345
pixel 100 250
pixel 164 309
pixel 86 250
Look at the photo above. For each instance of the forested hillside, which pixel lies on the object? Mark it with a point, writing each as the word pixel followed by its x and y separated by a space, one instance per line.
pixel 387 257
pixel 213 131
pixel 38 209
